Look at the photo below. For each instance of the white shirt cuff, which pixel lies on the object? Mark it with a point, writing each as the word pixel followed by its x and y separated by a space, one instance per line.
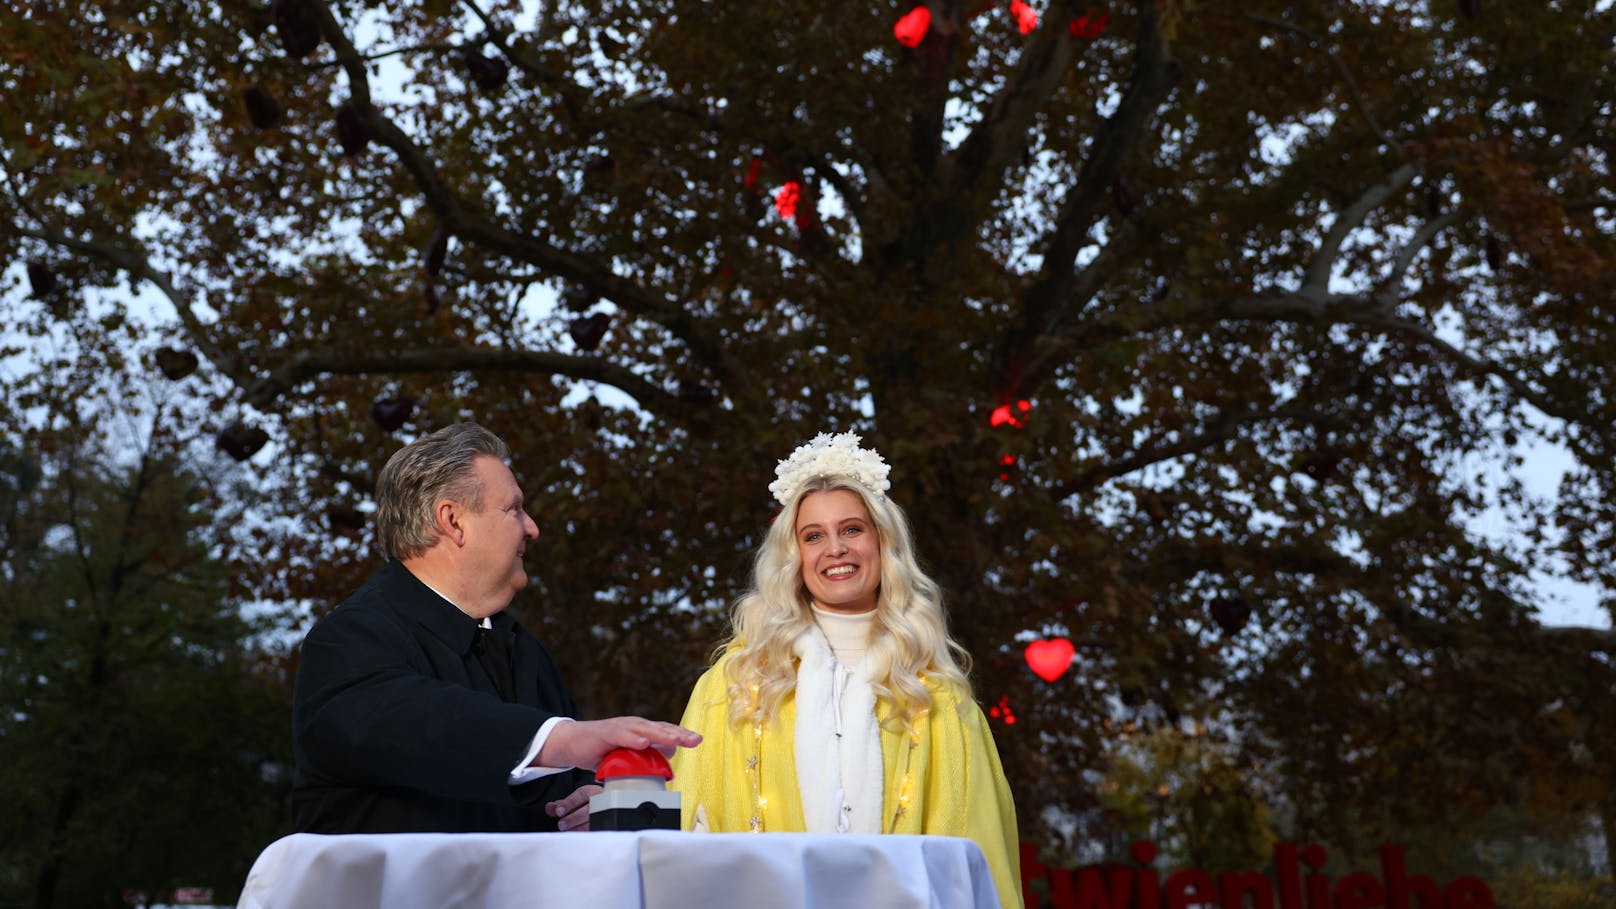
pixel 522 772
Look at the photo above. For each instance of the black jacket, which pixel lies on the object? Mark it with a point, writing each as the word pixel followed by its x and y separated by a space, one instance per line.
pixel 397 728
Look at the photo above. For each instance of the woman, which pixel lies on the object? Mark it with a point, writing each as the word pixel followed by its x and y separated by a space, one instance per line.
pixel 840 704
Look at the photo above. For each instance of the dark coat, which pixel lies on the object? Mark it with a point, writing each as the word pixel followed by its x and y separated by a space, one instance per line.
pixel 397 728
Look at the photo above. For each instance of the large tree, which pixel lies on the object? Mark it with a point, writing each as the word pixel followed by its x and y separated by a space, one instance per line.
pixel 142 726
pixel 1199 333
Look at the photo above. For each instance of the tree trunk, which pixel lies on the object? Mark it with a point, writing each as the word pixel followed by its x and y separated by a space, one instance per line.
pixel 1607 817
pixel 51 873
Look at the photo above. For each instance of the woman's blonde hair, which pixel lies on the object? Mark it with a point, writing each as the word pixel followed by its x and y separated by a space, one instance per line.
pixel 909 642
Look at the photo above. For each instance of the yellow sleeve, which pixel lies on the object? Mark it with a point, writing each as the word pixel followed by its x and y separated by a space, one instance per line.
pixel 718 774
pixel 966 792
pixel 701 774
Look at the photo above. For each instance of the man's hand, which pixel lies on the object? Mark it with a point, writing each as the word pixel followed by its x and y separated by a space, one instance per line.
pixel 583 743
pixel 573 810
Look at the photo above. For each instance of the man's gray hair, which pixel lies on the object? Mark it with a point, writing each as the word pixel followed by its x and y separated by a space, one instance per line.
pixel 437 466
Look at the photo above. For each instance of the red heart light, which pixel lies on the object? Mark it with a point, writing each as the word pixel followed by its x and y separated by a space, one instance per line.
pixel 1026 17
pixel 1049 659
pixel 1004 414
pixel 912 28
pixel 786 199
pixel 1002 712
pixel 1006 461
pixel 1089 25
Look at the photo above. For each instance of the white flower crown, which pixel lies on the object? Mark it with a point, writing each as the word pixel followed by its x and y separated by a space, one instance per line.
pixel 829 455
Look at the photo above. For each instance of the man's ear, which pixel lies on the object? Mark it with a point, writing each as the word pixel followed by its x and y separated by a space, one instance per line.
pixel 446 515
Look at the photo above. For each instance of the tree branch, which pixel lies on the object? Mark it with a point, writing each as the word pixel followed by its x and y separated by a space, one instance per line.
pixel 1591 203
pixel 851 199
pixel 1053 290
pixel 528 63
pixel 1578 639
pixel 1358 102
pixel 465 223
pixel 383 55
pixel 933 57
pixel 1317 279
pixel 310 364
pixel 1220 428
pixel 1037 358
pixel 1421 239
pixel 1002 132
pixel 1305 307
pixel 134 262
pixel 1379 317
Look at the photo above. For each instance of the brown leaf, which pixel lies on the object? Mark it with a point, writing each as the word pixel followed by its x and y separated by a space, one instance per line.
pixel 392 413
pixel 489 74
pixel 174 363
pixel 437 249
pixel 352 133
pixel 41 279
pixel 241 441
pixel 297 28
pixel 587 331
pixel 262 108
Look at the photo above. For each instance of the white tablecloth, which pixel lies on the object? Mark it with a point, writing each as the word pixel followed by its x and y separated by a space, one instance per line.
pixel 654 869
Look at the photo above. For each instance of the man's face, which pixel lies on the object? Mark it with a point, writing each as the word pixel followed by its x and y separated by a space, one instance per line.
pixel 497 535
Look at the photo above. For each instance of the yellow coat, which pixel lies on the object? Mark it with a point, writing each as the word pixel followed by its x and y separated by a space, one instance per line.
pixel 945 779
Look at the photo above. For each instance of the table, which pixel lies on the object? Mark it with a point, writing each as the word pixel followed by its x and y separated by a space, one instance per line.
pixel 653 869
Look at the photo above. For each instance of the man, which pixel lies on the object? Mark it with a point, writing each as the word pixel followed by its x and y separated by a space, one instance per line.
pixel 420 706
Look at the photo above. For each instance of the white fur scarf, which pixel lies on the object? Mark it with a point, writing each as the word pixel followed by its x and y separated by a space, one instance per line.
pixel 837 743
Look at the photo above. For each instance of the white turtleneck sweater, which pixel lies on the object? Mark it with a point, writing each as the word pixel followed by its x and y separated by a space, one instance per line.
pixel 837 742
pixel 848 634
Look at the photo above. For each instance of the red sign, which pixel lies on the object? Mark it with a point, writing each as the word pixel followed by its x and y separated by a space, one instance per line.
pixel 1297 882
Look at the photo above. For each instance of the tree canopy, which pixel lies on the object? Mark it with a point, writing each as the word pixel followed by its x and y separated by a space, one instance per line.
pixel 142 732
pixel 1202 334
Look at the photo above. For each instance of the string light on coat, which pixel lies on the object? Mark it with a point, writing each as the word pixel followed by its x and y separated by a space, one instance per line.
pixel 760 803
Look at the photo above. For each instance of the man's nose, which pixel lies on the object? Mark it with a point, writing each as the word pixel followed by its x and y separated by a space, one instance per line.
pixel 530 529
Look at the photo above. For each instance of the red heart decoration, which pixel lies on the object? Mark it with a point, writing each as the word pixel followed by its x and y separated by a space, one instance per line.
pixel 1049 659
pixel 1089 25
pixel 1004 414
pixel 1026 17
pixel 913 26
pixel 786 199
